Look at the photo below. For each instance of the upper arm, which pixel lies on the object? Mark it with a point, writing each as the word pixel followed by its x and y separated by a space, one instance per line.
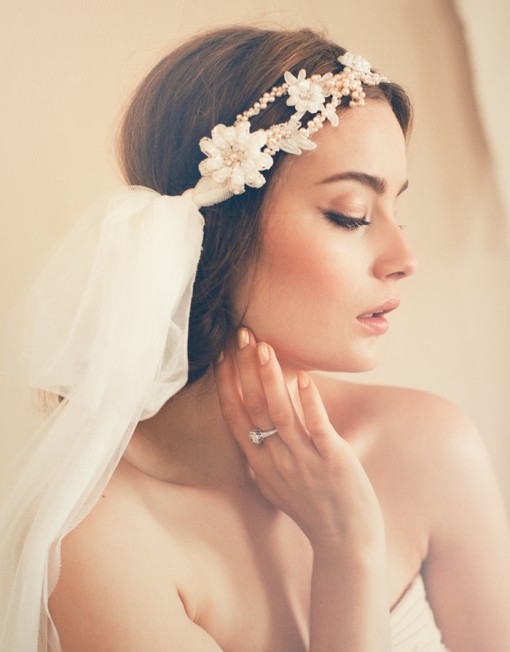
pixel 113 597
pixel 467 572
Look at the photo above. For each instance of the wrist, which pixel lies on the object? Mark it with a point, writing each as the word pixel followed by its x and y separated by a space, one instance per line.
pixel 368 549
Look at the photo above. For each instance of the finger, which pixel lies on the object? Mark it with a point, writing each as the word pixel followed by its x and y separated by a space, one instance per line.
pixel 234 411
pixel 317 422
pixel 254 397
pixel 280 408
pixel 231 401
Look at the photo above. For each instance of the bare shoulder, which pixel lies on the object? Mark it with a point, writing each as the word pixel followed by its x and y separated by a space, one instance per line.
pixel 119 585
pixel 407 421
pixel 414 442
pixel 430 468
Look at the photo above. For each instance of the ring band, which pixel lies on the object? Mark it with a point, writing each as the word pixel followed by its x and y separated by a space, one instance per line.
pixel 257 435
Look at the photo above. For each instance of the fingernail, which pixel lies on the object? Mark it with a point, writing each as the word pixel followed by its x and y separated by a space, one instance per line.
pixel 263 353
pixel 243 338
pixel 303 380
pixel 220 358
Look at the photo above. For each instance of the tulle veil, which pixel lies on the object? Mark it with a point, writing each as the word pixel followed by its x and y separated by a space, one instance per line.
pixel 105 328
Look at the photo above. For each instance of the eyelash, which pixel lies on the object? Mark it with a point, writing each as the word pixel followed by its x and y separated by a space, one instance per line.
pixel 346 221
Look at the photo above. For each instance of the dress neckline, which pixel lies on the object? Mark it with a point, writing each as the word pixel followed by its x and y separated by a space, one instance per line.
pixel 404 596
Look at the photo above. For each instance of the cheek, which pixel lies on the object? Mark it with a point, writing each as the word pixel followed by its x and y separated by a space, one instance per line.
pixel 302 282
pixel 293 266
pixel 324 262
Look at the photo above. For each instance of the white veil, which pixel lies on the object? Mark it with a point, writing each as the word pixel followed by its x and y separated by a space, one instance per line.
pixel 107 330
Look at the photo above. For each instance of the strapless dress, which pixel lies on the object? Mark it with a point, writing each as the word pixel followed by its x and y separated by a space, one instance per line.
pixel 413 628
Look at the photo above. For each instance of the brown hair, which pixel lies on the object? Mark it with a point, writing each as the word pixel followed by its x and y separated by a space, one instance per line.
pixel 208 80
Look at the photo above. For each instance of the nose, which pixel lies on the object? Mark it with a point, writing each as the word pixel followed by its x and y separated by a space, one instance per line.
pixel 396 259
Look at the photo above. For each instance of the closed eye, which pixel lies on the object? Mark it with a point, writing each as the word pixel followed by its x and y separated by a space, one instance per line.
pixel 346 221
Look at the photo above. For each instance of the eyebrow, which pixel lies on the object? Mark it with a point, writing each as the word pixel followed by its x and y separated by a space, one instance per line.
pixel 376 183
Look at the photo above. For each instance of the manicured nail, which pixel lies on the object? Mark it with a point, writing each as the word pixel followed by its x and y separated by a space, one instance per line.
pixel 243 338
pixel 303 380
pixel 263 353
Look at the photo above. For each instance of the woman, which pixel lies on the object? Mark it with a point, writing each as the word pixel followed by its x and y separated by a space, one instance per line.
pixel 259 507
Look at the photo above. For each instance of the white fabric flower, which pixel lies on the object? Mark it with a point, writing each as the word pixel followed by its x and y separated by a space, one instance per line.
pixel 304 94
pixel 294 140
pixel 331 115
pixel 356 62
pixel 235 157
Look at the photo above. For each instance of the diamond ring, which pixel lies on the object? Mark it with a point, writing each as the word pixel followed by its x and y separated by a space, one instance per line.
pixel 257 435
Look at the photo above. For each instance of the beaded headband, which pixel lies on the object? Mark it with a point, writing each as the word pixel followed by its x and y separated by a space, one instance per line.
pixel 236 157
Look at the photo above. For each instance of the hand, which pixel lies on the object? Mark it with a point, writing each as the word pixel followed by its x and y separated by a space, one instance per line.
pixel 307 470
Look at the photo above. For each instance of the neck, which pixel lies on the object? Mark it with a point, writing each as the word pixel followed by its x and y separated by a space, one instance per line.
pixel 187 442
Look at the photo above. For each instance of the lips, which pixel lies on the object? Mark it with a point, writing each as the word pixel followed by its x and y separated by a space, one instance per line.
pixel 386 307
pixel 374 320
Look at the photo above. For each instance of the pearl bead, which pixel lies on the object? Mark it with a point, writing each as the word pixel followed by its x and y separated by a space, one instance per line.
pixel 347 83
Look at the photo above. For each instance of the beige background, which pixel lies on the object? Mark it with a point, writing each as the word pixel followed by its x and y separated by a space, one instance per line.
pixel 68 67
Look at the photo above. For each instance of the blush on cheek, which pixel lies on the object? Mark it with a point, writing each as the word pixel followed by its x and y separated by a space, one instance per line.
pixel 296 254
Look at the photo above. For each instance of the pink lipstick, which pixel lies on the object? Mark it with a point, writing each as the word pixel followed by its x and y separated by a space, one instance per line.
pixel 374 319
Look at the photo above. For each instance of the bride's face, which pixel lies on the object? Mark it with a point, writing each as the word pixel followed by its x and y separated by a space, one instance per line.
pixel 332 250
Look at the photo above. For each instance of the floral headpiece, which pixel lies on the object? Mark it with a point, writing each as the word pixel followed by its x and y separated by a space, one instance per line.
pixel 236 157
